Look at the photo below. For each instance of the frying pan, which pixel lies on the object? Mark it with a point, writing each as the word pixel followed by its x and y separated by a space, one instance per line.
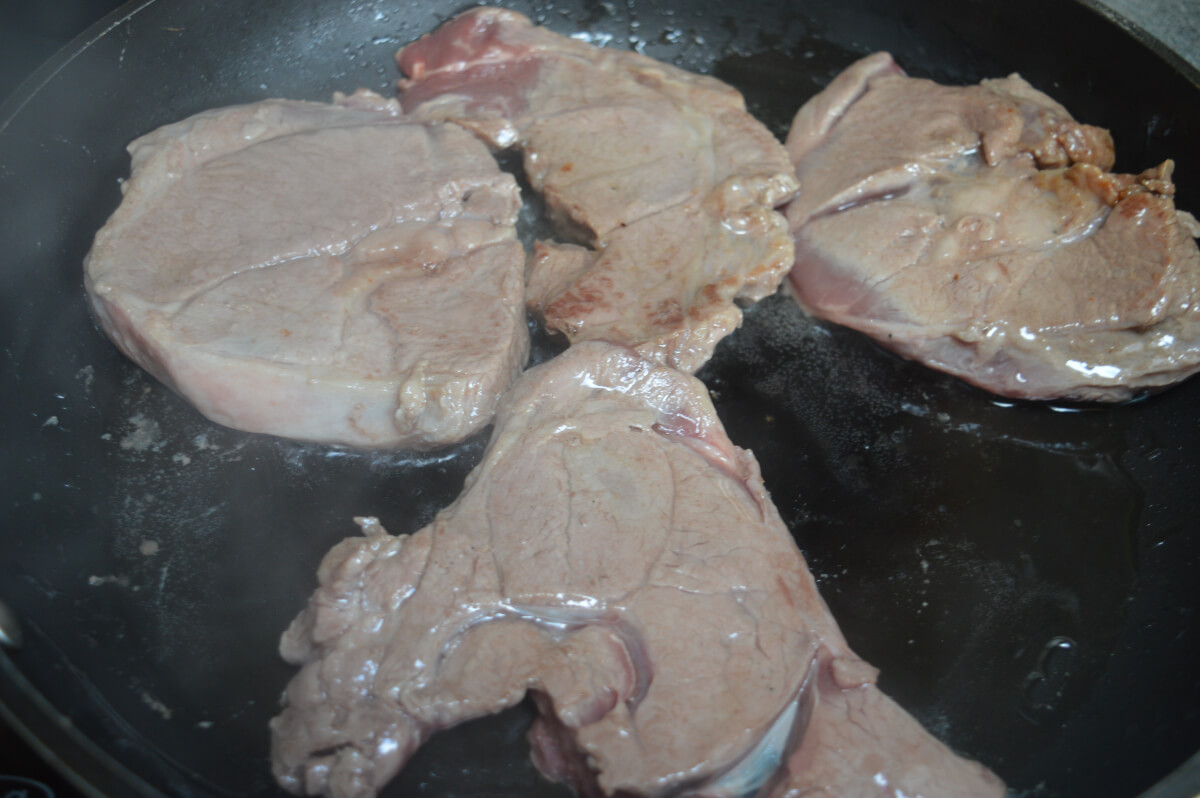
pixel 1025 575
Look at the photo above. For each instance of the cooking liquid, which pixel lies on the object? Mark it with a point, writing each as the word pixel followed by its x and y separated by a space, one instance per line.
pixel 958 540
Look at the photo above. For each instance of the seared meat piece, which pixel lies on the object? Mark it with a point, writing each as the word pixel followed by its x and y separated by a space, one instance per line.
pixel 977 229
pixel 615 555
pixel 331 273
pixel 661 172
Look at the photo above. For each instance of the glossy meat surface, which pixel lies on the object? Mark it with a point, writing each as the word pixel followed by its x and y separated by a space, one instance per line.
pixel 660 173
pixel 977 229
pixel 616 556
pixel 330 273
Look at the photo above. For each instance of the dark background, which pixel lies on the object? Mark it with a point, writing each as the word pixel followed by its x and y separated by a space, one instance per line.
pixel 30 33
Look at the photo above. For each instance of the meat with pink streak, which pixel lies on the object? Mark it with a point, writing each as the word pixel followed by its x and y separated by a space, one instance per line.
pixel 661 175
pixel 978 230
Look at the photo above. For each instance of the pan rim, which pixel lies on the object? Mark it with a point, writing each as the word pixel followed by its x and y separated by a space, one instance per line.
pixel 53 736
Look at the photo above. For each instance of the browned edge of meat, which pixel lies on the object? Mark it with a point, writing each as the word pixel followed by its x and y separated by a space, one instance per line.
pixel 978 230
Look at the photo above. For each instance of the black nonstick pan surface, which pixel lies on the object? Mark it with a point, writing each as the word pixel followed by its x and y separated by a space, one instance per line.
pixel 1026 576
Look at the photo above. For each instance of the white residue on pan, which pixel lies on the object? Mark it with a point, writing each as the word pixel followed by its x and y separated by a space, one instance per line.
pixel 156 705
pixel 121 580
pixel 202 443
pixel 86 375
pixel 144 434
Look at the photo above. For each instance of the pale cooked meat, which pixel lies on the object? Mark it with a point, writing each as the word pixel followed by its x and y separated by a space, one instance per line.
pixel 330 273
pixel 638 160
pixel 977 229
pixel 668 309
pixel 617 556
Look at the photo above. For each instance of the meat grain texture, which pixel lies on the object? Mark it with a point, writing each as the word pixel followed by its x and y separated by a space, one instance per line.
pixel 978 230
pixel 660 179
pixel 617 557
pixel 330 273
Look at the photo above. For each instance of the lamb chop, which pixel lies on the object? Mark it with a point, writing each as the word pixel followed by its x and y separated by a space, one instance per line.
pixel 616 557
pixel 331 273
pixel 979 230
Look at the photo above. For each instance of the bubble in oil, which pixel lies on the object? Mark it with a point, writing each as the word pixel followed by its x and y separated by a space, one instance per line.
pixel 1046 685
